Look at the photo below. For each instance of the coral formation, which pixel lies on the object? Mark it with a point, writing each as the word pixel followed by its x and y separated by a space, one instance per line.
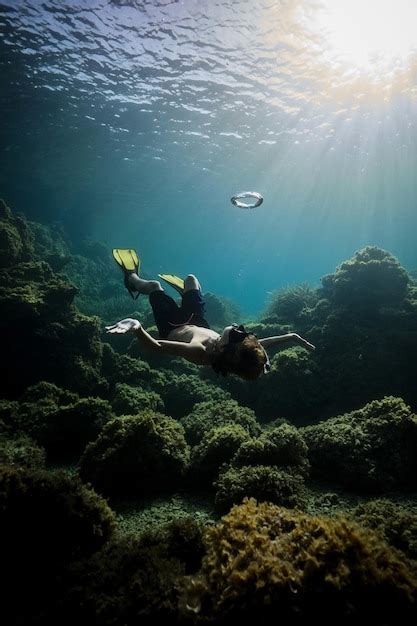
pixel 136 455
pixel 263 560
pixel 371 449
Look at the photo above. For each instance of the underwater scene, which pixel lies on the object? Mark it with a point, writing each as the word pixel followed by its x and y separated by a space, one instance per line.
pixel 208 312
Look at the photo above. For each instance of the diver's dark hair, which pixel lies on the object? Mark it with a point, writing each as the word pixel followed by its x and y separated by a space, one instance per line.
pixel 246 359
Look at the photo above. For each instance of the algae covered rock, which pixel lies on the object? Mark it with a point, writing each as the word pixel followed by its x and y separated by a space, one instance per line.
pixel 48 520
pixel 134 579
pixel 293 386
pixel 371 449
pixel 217 447
pixel 182 392
pixel 16 241
pixel 207 415
pixel 59 420
pixel 287 305
pixel 128 400
pixel 43 337
pixel 372 278
pixel 282 446
pixel 263 482
pixel 136 455
pixel 263 560
pixel 396 523
pixel 21 451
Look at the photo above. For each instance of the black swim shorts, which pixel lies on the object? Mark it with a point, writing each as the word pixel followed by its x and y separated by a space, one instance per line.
pixel 168 315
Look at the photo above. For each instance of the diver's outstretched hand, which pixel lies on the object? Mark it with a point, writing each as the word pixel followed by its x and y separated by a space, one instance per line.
pixel 303 342
pixel 124 326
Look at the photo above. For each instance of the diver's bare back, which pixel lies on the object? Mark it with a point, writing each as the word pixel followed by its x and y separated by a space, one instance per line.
pixel 194 334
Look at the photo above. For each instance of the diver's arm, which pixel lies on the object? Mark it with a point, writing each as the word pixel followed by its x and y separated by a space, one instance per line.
pixel 131 325
pixel 269 342
pixel 193 351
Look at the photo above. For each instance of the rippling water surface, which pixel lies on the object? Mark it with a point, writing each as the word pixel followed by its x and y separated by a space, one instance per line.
pixel 134 123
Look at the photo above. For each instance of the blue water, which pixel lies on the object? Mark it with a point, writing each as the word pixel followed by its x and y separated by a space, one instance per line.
pixel 134 123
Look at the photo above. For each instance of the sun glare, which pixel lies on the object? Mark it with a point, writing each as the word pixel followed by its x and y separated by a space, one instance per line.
pixel 370 36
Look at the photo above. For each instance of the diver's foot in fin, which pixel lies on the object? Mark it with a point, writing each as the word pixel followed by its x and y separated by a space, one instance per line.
pixel 129 263
pixel 175 282
pixel 134 283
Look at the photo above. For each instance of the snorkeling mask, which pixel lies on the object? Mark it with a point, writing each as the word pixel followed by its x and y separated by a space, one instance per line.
pixel 236 334
pixel 233 334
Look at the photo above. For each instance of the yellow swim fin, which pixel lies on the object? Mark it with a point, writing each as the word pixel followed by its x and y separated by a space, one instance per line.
pixel 174 281
pixel 128 261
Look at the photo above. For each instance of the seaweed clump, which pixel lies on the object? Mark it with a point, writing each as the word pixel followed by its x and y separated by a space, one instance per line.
pixel 371 449
pixel 263 560
pixel 136 455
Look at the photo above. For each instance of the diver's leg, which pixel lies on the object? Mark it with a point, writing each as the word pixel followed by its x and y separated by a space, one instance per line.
pixel 192 305
pixel 134 283
pixel 191 282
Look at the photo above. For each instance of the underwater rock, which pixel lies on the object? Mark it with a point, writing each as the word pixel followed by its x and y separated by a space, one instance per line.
pixel 136 455
pixel 129 400
pixel 21 451
pixel 372 278
pixel 371 449
pixel 134 579
pixel 287 305
pixel 396 523
pixel 263 560
pixel 216 448
pixel 207 415
pixel 181 393
pixel 48 520
pixel 220 311
pixel 263 482
pixel 282 446
pixel 16 242
pixel 59 420
pixel 44 338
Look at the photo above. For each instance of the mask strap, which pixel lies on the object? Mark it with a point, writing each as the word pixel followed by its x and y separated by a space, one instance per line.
pixel 267 364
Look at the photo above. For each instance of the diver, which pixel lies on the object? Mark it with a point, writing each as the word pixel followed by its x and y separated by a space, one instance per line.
pixel 184 332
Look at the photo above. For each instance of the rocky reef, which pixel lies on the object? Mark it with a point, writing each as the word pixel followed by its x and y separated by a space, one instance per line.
pixel 85 417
